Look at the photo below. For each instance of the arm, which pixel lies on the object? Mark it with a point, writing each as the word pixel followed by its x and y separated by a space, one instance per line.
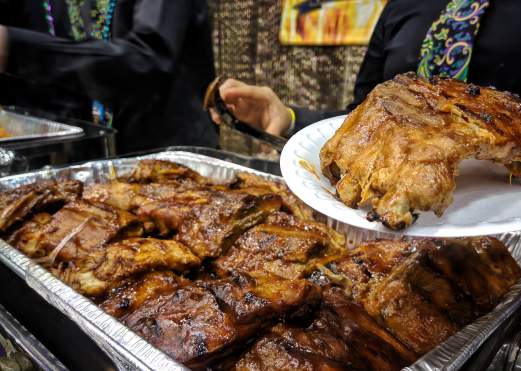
pixel 134 64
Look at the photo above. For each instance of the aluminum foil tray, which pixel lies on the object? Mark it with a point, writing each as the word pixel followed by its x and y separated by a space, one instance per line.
pixel 23 127
pixel 131 352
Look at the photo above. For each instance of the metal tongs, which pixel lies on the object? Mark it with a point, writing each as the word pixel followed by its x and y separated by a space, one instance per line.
pixel 213 99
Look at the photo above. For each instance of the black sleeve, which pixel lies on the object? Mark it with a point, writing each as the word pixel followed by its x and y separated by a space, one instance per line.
pixel 372 69
pixel 132 65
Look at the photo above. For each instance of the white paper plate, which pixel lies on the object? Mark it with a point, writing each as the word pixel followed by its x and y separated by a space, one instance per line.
pixel 485 202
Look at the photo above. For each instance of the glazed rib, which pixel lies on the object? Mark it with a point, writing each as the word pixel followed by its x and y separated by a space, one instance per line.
pixel 400 149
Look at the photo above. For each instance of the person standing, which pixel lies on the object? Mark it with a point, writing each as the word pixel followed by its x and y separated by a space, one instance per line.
pixel 139 65
pixel 477 41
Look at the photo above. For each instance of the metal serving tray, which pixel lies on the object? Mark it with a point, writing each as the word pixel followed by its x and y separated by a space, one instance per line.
pixel 23 127
pixel 13 331
pixel 129 351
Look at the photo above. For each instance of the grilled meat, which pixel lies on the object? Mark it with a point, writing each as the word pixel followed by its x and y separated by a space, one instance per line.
pixel 106 268
pixel 400 149
pixel 133 293
pixel 254 184
pixel 159 171
pixel 380 349
pixel 481 268
pixel 27 238
pixel 290 348
pixel 282 246
pixel 204 321
pixel 19 203
pixel 305 303
pixel 423 291
pixel 82 228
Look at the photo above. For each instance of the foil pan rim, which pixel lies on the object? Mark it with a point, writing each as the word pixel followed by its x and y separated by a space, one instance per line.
pixel 27 126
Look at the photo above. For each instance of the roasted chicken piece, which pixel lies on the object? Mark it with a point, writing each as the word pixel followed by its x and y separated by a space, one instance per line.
pixel 135 292
pixel 81 228
pixel 205 321
pixel 108 267
pixel 160 171
pixel 19 203
pixel 282 246
pixel 400 149
pixel 256 185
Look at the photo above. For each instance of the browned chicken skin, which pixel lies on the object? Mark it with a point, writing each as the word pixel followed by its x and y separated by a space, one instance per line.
pixel 400 149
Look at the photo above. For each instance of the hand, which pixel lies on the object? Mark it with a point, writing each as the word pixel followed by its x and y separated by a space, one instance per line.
pixel 3 48
pixel 257 106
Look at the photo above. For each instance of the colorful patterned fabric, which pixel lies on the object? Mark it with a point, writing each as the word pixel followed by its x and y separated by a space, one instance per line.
pixel 101 13
pixel 447 48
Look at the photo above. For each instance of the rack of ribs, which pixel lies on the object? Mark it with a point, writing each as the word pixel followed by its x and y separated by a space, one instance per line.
pixel 400 149
pixel 239 276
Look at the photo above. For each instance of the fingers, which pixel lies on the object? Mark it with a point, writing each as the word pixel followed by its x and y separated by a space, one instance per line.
pixel 255 93
pixel 215 116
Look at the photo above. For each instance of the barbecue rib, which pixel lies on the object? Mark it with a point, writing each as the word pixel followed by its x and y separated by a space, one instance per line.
pixel 159 171
pixel 243 278
pixel 282 246
pixel 135 292
pixel 342 336
pixel 81 228
pixel 423 291
pixel 254 184
pixel 204 321
pixel 108 267
pixel 21 202
pixel 400 149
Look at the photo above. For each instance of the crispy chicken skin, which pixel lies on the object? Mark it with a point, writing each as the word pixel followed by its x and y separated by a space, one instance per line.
pixel 400 149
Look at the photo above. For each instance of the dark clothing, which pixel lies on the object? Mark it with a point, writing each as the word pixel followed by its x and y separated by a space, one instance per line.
pixel 395 48
pixel 152 74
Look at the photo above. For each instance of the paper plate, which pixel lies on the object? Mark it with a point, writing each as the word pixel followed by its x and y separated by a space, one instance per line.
pixel 485 202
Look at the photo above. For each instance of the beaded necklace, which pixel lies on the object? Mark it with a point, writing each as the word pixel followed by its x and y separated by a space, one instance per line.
pixel 102 16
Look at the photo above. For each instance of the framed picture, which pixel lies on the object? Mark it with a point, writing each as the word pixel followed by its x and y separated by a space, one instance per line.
pixel 329 22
